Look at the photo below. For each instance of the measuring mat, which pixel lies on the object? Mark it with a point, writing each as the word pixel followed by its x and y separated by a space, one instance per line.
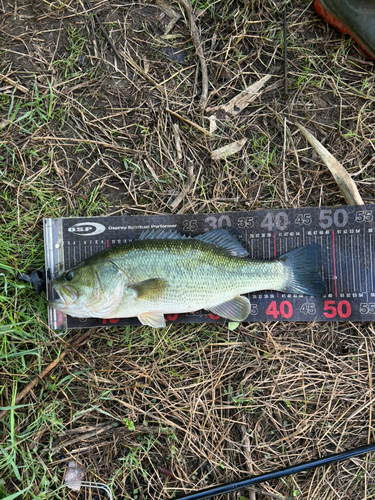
pixel 346 235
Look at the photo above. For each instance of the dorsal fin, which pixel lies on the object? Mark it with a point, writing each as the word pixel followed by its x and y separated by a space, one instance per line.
pixel 161 234
pixel 227 239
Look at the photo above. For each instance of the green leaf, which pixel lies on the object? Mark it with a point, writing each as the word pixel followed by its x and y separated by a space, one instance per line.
pixel 129 424
pixel 232 325
pixel 15 495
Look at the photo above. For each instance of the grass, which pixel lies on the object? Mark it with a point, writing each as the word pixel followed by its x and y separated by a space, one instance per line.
pixel 74 57
pixel 79 126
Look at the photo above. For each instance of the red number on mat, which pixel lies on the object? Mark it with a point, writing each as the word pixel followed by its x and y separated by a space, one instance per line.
pixel 172 317
pixel 272 310
pixel 112 320
pixel 329 305
pixel 343 309
pixel 286 309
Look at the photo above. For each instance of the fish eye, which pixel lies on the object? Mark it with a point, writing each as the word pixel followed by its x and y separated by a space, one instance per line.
pixel 69 275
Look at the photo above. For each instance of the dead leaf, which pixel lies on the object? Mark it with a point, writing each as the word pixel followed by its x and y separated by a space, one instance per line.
pixel 4 123
pixel 229 150
pixel 344 181
pixel 240 101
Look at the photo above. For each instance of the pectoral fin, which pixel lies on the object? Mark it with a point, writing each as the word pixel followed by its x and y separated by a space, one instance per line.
pixel 154 319
pixel 150 289
pixel 236 309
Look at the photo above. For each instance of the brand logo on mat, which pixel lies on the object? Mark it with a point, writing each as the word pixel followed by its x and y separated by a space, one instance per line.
pixel 86 228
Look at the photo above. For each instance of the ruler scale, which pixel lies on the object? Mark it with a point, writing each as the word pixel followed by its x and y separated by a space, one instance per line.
pixel 346 235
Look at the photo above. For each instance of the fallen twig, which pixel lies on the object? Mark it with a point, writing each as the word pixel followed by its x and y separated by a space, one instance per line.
pixel 83 141
pixel 81 437
pixel 170 12
pixel 284 153
pixel 189 183
pixel 199 50
pixel 176 131
pixel 186 120
pixel 14 83
pixel 247 452
pixel 285 56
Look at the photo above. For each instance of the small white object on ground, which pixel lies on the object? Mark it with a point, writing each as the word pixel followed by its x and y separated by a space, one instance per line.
pixel 74 475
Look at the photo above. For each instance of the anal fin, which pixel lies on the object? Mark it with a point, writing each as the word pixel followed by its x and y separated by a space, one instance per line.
pixel 236 309
pixel 155 319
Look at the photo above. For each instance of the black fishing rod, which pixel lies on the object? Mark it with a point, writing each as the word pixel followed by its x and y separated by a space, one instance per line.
pixel 245 483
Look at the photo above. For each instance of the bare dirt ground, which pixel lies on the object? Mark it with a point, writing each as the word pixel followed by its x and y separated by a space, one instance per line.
pixel 91 126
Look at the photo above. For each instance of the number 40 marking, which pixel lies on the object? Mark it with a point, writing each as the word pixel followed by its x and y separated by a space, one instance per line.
pixel 285 309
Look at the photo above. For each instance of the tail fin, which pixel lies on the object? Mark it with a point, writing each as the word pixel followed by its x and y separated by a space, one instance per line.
pixel 304 265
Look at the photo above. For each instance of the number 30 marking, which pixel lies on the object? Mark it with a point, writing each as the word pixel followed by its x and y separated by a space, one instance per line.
pixel 213 223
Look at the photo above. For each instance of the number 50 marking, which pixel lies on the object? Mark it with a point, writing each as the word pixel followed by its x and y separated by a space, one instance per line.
pixel 343 309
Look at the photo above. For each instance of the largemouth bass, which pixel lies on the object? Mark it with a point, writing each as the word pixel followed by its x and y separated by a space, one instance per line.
pixel 165 272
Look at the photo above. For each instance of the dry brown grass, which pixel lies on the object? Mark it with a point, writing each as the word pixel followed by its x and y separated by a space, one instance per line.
pixel 210 404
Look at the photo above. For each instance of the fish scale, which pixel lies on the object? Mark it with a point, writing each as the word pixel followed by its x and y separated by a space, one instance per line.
pixel 197 273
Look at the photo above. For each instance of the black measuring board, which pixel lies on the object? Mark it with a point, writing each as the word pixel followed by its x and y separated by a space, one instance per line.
pixel 346 235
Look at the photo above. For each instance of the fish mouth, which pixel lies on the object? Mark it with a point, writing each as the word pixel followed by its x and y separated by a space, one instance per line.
pixel 57 304
pixel 67 296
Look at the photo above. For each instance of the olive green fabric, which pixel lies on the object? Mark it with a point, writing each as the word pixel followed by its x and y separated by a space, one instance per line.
pixel 358 16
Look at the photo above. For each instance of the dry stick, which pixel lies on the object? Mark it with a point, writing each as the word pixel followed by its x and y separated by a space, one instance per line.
pixel 171 13
pixel 284 154
pixel 176 131
pixel 82 437
pixel 80 430
pixel 344 181
pixel 95 431
pixel 285 57
pixel 247 452
pixel 199 50
pixel 228 150
pixel 14 84
pixel 189 183
pixel 239 102
pixel 84 141
pixel 81 340
pixel 198 127
pixel 268 494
